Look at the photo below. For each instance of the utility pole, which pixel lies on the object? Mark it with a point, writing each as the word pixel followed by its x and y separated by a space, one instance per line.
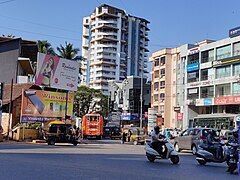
pixel 141 96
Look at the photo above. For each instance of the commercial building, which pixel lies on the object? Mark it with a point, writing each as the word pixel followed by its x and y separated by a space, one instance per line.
pixel 114 46
pixel 198 84
pixel 125 97
pixel 213 83
pixel 17 57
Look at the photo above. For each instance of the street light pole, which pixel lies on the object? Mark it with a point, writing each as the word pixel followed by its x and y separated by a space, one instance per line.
pixel 141 96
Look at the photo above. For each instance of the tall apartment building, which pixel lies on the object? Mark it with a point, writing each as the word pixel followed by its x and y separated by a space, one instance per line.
pixel 114 46
pixel 164 63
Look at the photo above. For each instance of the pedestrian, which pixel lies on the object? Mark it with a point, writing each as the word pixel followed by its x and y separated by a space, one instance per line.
pixel 124 135
pixel 129 135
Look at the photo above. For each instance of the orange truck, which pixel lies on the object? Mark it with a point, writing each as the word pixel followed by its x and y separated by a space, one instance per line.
pixel 92 126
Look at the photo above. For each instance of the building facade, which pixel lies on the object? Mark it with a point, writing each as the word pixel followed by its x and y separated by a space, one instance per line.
pixel 164 85
pixel 114 46
pixel 213 84
pixel 17 57
pixel 125 97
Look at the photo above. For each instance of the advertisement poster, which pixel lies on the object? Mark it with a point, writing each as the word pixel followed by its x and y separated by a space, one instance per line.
pixel 41 106
pixel 56 72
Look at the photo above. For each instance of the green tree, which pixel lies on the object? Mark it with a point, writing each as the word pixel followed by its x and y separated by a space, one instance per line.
pixel 45 47
pixel 8 36
pixel 67 52
pixel 85 101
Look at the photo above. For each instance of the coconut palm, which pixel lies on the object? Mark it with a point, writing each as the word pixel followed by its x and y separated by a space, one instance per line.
pixel 8 36
pixel 45 47
pixel 67 52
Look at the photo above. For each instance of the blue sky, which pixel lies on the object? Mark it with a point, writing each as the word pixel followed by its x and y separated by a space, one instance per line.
pixel 173 22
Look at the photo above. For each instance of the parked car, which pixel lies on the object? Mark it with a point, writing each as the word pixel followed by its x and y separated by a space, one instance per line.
pixel 190 139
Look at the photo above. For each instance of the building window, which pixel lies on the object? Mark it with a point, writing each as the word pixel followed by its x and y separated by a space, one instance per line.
pixel 223 90
pixel 207 92
pixel 207 56
pixel 193 58
pixel 193 77
pixel 224 52
pixel 156 74
pixel 236 49
pixel 162 96
pixel 236 69
pixel 161 109
pixel 162 72
pixel 162 61
pixel 236 88
pixel 155 97
pixel 204 74
pixel 223 72
pixel 156 62
pixel 162 84
pixel 192 93
pixel 156 84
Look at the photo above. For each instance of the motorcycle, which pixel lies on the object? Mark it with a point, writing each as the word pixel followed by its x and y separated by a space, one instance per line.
pixel 168 152
pixel 232 158
pixel 205 155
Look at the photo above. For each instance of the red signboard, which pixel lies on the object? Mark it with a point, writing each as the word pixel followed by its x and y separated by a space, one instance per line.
pixel 224 100
pixel 179 116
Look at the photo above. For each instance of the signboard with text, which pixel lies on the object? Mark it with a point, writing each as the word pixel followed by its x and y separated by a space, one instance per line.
pixel 56 72
pixel 41 106
pixel 192 67
pixel 234 32
pixel 224 100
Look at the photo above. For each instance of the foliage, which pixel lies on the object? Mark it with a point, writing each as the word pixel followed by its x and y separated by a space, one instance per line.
pixel 67 52
pixel 84 101
pixel 8 36
pixel 45 47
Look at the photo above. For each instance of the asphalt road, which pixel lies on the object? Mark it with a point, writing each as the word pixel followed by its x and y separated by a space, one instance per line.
pixel 98 160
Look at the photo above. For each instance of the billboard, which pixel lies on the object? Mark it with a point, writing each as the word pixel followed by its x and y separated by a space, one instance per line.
pixel 41 106
pixel 56 72
pixel 129 117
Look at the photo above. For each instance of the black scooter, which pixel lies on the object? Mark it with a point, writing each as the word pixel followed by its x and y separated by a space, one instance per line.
pixel 204 155
pixel 232 157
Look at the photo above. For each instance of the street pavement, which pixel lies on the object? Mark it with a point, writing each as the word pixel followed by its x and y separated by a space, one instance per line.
pixel 105 159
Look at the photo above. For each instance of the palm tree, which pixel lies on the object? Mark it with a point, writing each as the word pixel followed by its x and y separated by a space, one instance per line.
pixel 45 47
pixel 8 36
pixel 67 52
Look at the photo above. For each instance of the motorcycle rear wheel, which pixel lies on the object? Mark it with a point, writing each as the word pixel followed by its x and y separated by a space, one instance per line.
pixel 151 158
pixel 174 159
pixel 202 162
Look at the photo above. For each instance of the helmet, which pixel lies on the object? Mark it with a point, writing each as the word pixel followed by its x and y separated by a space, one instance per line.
pixel 157 129
pixel 235 133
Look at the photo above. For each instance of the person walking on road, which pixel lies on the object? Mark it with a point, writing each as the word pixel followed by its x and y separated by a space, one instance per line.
pixel 124 137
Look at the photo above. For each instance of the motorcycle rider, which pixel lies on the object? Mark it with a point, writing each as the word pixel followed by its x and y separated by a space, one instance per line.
pixel 234 139
pixel 157 140
pixel 213 144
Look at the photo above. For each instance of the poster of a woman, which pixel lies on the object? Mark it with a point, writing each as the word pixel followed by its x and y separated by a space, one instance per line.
pixel 47 70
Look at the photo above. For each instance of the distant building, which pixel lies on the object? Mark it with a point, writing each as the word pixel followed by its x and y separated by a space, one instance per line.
pixel 17 57
pixel 114 46
pixel 125 97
